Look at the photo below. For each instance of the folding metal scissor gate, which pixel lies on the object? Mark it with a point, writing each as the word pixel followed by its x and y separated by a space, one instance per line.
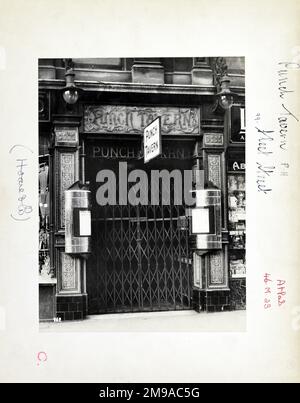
pixel 140 259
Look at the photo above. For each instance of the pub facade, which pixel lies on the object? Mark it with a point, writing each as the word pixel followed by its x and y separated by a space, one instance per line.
pixel 118 233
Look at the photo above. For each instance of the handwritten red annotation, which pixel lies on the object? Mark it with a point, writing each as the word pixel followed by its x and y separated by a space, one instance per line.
pixel 41 357
pixel 269 291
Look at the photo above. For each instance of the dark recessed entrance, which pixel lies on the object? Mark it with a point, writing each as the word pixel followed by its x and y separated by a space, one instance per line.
pixel 140 256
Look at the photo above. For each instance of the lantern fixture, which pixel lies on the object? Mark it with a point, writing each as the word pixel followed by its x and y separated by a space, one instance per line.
pixel 225 95
pixel 70 92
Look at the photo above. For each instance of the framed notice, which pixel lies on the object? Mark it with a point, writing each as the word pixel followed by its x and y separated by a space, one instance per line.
pixel 84 222
pixel 200 221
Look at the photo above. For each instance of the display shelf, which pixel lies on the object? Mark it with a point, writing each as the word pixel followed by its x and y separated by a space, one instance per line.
pixel 47 281
pixel 237 237
pixel 237 232
pixel 44 214
pixel 238 276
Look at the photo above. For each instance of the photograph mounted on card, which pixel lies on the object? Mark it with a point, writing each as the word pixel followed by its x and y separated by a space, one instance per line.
pixel 137 157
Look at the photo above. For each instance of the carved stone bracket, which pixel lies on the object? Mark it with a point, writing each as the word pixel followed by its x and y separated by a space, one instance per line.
pixel 220 69
pixel 214 139
pixel 66 136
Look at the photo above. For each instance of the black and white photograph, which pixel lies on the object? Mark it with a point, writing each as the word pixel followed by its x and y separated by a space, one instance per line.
pixel 142 191
pixel 149 244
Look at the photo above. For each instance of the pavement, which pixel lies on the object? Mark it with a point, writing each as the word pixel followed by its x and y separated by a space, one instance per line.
pixel 175 321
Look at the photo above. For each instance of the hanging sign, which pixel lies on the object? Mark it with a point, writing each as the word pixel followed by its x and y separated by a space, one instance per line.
pixel 152 140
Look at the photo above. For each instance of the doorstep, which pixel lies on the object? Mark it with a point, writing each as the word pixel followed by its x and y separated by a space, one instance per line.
pixel 171 321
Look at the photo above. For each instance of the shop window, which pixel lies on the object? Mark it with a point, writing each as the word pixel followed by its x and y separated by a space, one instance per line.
pixel 43 147
pixel 45 268
pixel 237 224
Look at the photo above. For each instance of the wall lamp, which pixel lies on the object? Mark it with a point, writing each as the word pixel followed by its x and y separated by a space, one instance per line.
pixel 70 92
pixel 225 96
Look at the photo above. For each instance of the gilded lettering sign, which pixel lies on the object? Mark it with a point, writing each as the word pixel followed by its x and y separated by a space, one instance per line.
pixel 131 152
pixel 133 120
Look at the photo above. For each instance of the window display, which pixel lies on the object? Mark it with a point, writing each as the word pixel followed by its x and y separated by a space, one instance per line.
pixel 237 225
pixel 44 211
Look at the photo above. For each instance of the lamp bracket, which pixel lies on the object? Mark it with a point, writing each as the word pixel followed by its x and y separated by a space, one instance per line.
pixel 220 69
pixel 69 64
pixel 217 108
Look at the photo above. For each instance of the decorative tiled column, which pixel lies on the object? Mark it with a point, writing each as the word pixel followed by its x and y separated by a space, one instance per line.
pixel 212 290
pixel 70 298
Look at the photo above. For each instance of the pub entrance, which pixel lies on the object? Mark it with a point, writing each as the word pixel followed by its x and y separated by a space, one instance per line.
pixel 140 257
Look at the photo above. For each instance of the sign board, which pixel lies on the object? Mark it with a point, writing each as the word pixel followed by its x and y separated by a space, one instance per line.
pixel 238 124
pixel 236 162
pixel 152 140
pixel 127 120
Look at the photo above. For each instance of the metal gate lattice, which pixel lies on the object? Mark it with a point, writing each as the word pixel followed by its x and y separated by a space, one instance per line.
pixel 141 260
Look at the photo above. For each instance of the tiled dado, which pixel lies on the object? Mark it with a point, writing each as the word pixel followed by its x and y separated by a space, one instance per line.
pixel 71 307
pixel 211 301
